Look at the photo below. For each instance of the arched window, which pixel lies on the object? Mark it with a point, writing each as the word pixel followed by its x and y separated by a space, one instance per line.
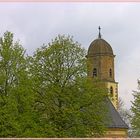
pixel 111 91
pixel 94 72
pixel 110 72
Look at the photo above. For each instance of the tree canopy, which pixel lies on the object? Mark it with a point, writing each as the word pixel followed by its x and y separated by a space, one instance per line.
pixel 135 108
pixel 15 95
pixel 48 94
pixel 70 104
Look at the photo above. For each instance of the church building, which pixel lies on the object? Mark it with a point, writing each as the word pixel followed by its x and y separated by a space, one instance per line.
pixel 101 66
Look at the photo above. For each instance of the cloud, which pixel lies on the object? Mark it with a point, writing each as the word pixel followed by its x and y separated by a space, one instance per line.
pixel 38 23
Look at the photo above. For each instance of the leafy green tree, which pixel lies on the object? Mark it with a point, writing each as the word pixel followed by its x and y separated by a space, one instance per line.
pixel 68 103
pixel 135 108
pixel 15 95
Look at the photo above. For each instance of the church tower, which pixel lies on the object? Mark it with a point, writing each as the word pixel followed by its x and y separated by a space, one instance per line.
pixel 101 66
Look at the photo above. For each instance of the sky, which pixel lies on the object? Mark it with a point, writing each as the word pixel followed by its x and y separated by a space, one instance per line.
pixel 37 23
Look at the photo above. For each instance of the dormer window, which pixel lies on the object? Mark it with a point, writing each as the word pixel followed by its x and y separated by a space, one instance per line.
pixel 94 72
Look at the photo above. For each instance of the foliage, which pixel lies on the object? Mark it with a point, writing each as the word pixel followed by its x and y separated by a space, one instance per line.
pixel 49 94
pixel 70 105
pixel 15 95
pixel 135 108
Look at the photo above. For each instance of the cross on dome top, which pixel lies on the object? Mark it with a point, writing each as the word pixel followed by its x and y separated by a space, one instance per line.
pixel 99 36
